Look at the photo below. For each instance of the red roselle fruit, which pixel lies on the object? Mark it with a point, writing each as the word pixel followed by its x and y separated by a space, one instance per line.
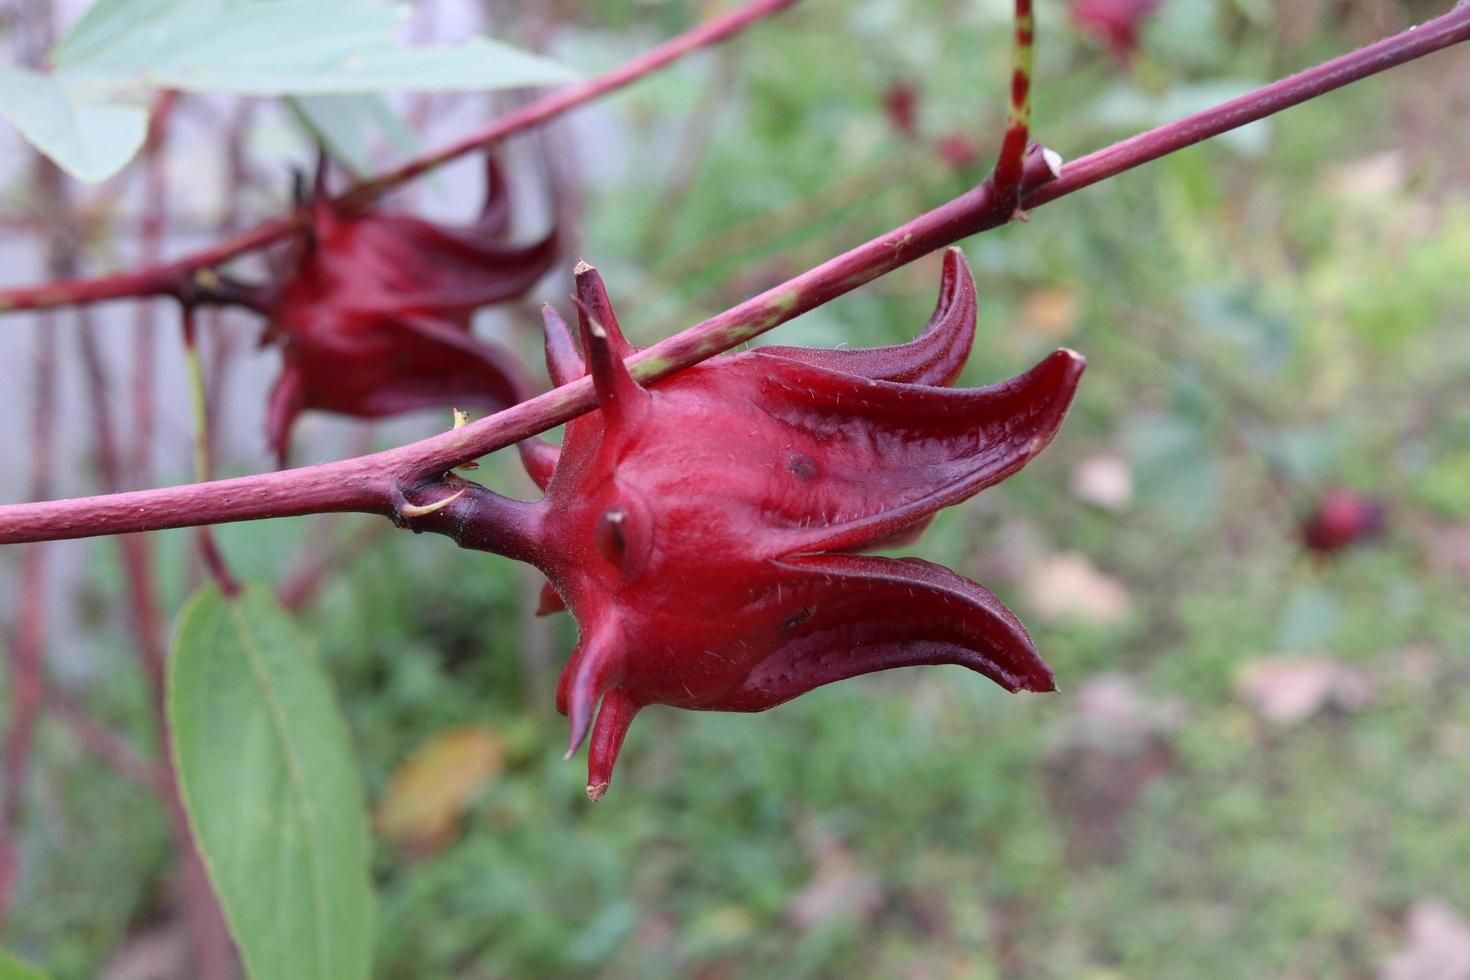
pixel 373 317
pixel 901 106
pixel 1115 23
pixel 1341 518
pixel 958 150
pixel 706 532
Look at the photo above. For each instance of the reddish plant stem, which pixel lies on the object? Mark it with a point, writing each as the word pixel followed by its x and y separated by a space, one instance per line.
pixel 209 550
pixel 176 278
pixel 104 743
pixel 27 678
pixel 377 483
pixel 208 936
pixel 145 323
pixel 1011 162
pixel 330 554
pixel 27 685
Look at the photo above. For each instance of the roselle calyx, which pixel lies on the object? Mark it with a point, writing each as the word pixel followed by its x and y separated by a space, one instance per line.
pixel 707 531
pixel 372 316
pixel 1116 23
pixel 1341 518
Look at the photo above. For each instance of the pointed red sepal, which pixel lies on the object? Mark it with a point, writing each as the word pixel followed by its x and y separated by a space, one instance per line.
pixel 620 399
pixel 613 718
pixel 495 213
pixel 287 400
pixel 539 457
pixel 845 615
pixel 563 363
pixel 915 451
pixel 935 357
pixel 549 602
pixel 594 667
pixel 592 294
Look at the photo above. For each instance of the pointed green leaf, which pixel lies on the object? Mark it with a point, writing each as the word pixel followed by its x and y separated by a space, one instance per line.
pixel 91 140
pixel 271 788
pixel 12 968
pixel 346 125
pixel 284 47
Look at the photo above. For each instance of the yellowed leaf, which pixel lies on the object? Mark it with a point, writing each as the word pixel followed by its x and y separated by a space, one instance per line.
pixel 431 790
pixel 1051 311
pixel 1437 946
pixel 1067 586
pixel 1103 480
pixel 1288 690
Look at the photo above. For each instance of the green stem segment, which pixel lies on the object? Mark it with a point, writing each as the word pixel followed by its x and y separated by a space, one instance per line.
pixel 1011 163
pixel 209 550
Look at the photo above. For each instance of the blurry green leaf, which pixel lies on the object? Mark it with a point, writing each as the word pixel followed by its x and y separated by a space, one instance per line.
pixel 346 125
pixel 298 47
pixel 1309 620
pixel 1306 455
pixel 1264 340
pixel 1177 470
pixel 15 969
pixel 271 787
pixel 88 139
pixel 1127 107
pixel 1445 486
pixel 104 22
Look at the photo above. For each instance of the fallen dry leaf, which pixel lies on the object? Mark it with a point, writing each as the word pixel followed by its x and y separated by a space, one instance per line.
pixel 1449 549
pixel 431 790
pixel 1288 690
pixel 1104 480
pixel 1051 311
pixel 157 953
pixel 840 887
pixel 1113 744
pixel 1067 586
pixel 1437 946
pixel 1111 711
pixel 1375 177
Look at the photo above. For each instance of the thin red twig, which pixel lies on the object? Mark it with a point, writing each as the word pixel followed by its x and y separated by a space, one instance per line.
pixel 1011 162
pixel 104 743
pixel 27 684
pixel 176 278
pixel 27 677
pixel 377 483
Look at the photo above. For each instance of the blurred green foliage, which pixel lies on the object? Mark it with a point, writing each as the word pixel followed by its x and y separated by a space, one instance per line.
pixel 1263 318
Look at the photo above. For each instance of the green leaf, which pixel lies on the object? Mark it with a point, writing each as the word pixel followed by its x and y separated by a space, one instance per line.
pixel 284 47
pixel 91 140
pixel 106 21
pixel 346 123
pixel 271 788
pixel 12 968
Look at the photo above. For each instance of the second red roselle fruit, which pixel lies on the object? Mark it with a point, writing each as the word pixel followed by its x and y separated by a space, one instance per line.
pixel 373 315
pixel 707 532
pixel 1115 23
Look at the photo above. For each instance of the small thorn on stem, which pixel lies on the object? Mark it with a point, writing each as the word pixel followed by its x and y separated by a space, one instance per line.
pixel 409 510
pixel 1053 160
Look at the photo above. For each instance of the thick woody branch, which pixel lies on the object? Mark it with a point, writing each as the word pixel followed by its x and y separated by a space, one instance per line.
pixel 373 484
pixel 180 278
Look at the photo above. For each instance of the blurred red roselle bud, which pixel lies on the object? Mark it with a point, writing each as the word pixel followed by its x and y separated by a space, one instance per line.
pixel 373 313
pixel 706 531
pixel 1115 23
pixel 900 104
pixel 1341 518
pixel 958 150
